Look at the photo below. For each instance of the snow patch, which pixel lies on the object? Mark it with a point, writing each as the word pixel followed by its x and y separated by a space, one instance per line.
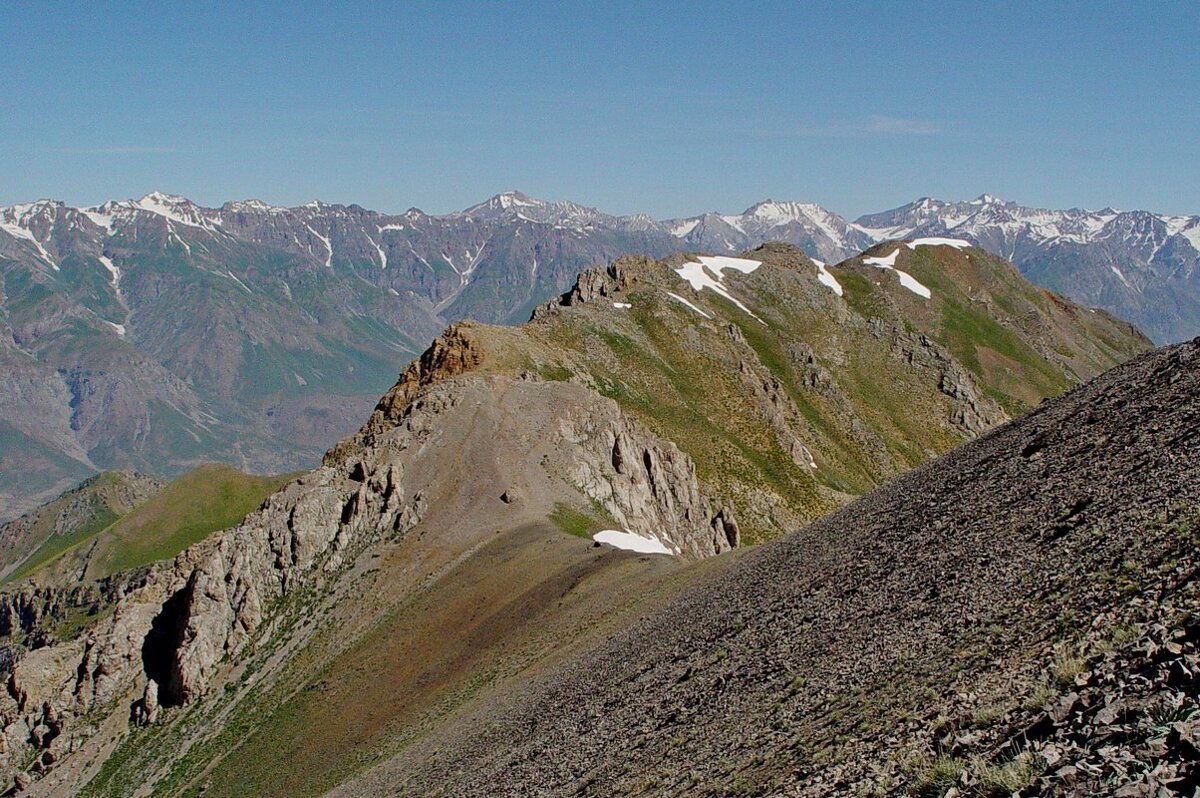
pixel 382 254
pixel 325 241
pixel 233 277
pixel 176 209
pixel 888 262
pixel 113 270
pixel 1121 277
pixel 631 542
pixel 957 243
pixel 622 305
pixel 678 298
pixel 104 220
pixel 683 228
pixel 16 231
pixel 706 273
pixel 1192 235
pixel 826 278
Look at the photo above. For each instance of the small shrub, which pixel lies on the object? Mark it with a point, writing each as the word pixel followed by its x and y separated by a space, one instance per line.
pixel 1042 695
pixel 932 776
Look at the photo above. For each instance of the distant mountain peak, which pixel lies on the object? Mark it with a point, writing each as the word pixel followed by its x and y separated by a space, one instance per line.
pixel 162 198
pixel 504 202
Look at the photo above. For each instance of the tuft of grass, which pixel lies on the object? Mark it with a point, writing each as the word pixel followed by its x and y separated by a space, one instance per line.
pixel 1041 697
pixel 931 777
pixel 1066 667
pixel 1002 780
pixel 574 522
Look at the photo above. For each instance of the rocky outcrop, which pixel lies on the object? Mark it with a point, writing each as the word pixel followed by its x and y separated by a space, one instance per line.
pixel 598 282
pixel 970 410
pixel 647 485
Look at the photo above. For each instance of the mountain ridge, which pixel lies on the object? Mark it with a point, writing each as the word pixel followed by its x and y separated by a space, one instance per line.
pixel 153 334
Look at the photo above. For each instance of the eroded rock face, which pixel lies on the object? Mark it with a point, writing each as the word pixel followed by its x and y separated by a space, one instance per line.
pixel 970 410
pixel 648 486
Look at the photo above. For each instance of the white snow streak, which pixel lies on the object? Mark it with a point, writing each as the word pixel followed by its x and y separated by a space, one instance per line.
pixel 907 280
pixel 233 277
pixel 707 274
pixel 678 298
pixel 325 241
pixel 957 243
pixel 826 278
pixel 1121 277
pixel 631 542
pixel 382 254
pixel 17 231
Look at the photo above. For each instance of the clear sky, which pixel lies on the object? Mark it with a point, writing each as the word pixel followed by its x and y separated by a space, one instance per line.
pixel 670 109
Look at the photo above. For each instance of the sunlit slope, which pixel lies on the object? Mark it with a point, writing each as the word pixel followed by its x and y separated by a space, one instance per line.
pixel 793 387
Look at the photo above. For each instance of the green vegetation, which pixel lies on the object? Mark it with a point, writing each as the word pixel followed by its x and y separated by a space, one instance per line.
pixel 573 522
pixel 931 777
pixel 55 545
pixel 187 510
pixel 203 501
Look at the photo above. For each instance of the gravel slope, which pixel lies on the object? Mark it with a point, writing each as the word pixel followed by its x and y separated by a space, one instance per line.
pixel 820 664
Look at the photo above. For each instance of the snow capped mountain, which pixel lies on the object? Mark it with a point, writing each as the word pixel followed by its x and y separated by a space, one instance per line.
pixel 819 232
pixel 990 218
pixel 513 205
pixel 1142 266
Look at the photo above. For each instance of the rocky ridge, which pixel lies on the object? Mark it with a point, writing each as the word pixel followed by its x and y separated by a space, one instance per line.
pixel 294 317
pixel 176 627
pixel 523 423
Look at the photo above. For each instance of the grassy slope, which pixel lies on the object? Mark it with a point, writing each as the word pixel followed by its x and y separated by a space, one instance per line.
pixel 206 499
pixel 690 379
pixel 85 511
pixel 202 501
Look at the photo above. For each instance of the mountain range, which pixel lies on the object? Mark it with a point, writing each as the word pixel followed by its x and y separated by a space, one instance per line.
pixel 156 334
pixel 530 570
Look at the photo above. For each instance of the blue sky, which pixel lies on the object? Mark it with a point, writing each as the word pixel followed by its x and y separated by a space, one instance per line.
pixel 665 108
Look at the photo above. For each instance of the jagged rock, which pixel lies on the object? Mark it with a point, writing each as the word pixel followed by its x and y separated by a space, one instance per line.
pixel 145 709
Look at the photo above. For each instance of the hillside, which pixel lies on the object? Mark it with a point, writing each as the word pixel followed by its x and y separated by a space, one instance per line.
pixel 696 404
pixel 976 624
pixel 157 526
pixel 1141 266
pixel 75 516
pixel 794 387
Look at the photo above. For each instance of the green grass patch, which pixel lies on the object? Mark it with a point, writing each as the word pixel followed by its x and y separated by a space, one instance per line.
pixel 203 501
